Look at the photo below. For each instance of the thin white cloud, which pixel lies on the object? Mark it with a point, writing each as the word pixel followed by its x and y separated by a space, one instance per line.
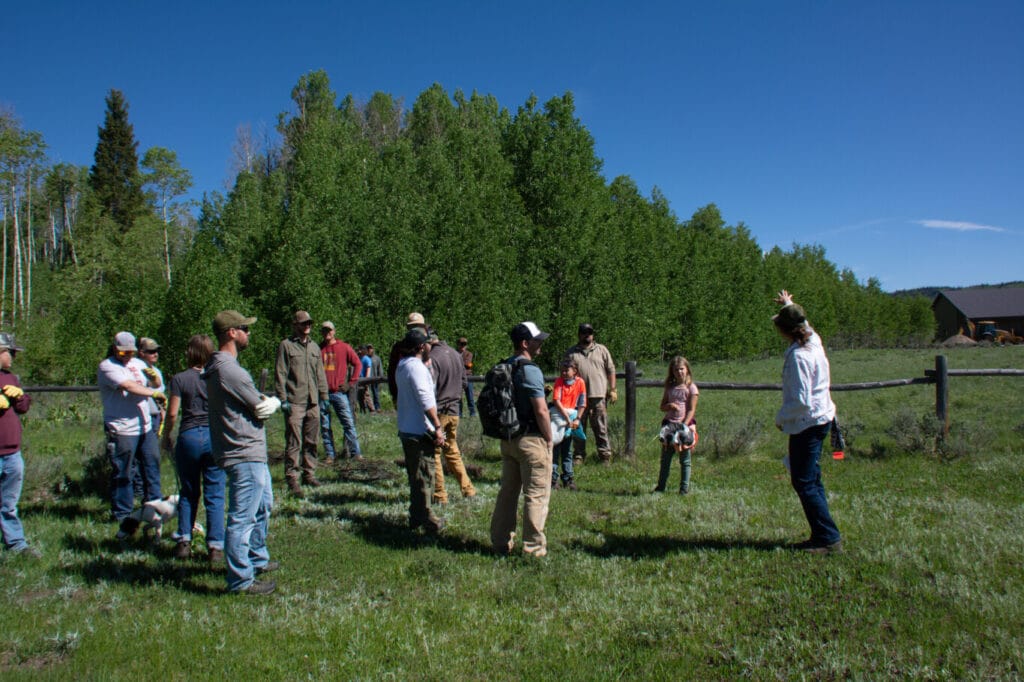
pixel 959 226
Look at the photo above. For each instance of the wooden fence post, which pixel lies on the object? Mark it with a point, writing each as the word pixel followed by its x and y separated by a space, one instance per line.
pixel 942 393
pixel 630 409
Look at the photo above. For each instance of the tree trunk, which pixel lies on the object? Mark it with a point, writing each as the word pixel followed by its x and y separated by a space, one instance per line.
pixel 167 247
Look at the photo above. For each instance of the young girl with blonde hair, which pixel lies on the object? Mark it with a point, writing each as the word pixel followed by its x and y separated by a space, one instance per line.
pixel 679 428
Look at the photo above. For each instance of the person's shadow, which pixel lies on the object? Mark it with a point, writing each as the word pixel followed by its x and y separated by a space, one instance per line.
pixel 657 546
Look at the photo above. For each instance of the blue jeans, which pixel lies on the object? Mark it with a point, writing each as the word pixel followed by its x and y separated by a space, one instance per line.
pixel 12 473
pixel 194 460
pixel 562 453
pixel 375 390
pixel 469 400
pixel 249 508
pixel 126 453
pixel 805 475
pixel 339 401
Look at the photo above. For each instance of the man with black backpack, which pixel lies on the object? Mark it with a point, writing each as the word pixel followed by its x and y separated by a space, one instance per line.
pixel 525 451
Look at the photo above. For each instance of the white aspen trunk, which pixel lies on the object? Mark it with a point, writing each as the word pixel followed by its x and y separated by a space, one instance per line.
pixel 3 287
pixel 16 255
pixel 167 247
pixel 68 208
pixel 52 255
pixel 30 245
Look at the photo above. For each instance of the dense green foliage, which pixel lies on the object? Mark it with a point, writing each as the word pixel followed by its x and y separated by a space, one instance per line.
pixel 455 207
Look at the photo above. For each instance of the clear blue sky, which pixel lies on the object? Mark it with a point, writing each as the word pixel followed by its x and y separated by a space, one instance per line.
pixel 890 132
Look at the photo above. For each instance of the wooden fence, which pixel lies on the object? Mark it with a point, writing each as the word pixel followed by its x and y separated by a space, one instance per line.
pixel 938 376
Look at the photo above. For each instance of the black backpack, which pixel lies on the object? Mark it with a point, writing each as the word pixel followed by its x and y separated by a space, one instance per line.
pixel 496 404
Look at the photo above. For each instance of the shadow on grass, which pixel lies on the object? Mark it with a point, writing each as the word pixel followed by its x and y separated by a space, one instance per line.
pixel 68 509
pixel 109 560
pixel 655 546
pixel 386 532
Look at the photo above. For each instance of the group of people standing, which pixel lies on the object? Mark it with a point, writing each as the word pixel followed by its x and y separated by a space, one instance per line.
pixel 221 449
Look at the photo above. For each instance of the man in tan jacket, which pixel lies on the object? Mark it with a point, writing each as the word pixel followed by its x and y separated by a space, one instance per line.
pixel 301 385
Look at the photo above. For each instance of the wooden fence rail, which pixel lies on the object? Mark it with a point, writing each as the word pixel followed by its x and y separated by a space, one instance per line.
pixel 938 376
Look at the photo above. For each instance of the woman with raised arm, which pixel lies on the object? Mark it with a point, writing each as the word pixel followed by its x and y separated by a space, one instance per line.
pixel 806 415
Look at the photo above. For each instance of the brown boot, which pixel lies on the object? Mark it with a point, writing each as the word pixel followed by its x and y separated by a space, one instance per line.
pixel 295 489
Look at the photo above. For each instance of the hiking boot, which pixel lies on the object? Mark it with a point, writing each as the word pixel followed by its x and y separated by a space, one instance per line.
pixel 29 552
pixel 834 548
pixel 571 485
pixel 259 587
pixel 268 567
pixel 555 485
pixel 183 550
pixel 216 557
pixel 312 482
pixel 295 489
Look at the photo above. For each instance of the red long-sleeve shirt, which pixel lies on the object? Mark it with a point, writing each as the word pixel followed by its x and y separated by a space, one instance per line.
pixel 341 364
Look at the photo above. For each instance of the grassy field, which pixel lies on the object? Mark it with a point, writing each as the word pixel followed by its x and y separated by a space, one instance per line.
pixel 636 585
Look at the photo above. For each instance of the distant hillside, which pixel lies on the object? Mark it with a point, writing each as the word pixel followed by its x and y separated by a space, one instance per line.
pixel 929 292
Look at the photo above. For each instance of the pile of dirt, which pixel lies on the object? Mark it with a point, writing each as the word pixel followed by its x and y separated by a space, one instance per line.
pixel 959 340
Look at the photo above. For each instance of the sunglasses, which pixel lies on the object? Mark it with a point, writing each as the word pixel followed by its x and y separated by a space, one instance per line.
pixel 243 328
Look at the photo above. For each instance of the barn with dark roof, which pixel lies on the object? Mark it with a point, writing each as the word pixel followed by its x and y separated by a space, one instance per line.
pixel 953 309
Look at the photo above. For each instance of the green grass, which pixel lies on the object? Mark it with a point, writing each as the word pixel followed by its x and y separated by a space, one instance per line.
pixel 636 585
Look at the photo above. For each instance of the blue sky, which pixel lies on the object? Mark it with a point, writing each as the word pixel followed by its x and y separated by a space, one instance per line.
pixel 890 132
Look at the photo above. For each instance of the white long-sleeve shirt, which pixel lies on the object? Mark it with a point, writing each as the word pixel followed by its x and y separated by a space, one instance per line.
pixel 415 396
pixel 806 400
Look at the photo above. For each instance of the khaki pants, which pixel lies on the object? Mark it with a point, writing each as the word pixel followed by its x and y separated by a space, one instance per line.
pixel 301 429
pixel 453 458
pixel 526 468
pixel 597 418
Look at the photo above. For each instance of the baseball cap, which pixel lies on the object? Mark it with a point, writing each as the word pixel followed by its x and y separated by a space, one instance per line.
pixel 586 328
pixel 327 324
pixel 414 338
pixel 124 341
pixel 230 319
pixel 527 331
pixel 415 320
pixel 7 342
pixel 148 344
pixel 301 316
pixel 790 317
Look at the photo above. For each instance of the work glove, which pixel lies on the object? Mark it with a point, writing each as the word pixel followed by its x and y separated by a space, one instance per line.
pixel 150 374
pixel 613 396
pixel 286 407
pixel 4 402
pixel 13 392
pixel 267 407
pixel 159 398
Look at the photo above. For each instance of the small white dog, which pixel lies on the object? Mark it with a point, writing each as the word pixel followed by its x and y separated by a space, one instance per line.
pixel 152 515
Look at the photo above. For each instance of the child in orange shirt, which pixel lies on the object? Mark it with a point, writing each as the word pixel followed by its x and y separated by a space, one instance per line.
pixel 570 399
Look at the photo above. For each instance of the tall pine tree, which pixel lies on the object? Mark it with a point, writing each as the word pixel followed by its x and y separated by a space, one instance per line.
pixel 114 176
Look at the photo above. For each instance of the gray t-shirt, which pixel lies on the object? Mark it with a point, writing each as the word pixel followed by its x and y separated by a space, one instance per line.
pixel 235 433
pixel 191 389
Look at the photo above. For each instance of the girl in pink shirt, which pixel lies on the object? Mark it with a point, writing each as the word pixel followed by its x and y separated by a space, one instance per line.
pixel 679 428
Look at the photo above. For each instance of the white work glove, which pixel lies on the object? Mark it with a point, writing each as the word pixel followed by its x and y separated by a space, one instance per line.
pixel 267 407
